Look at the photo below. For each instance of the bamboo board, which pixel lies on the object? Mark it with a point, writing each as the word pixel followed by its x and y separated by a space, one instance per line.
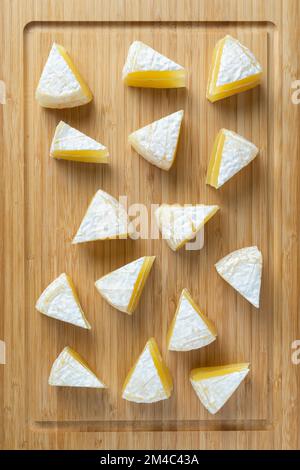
pixel 49 199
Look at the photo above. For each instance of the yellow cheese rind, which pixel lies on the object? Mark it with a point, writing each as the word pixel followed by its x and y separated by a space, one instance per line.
pixel 140 283
pixel 87 92
pixel 202 373
pixel 215 160
pixel 151 79
pixel 84 156
pixel 163 371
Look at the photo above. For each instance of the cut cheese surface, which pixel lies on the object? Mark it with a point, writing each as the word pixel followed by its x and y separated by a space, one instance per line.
pixel 179 224
pixel 122 288
pixel 61 85
pixel 105 218
pixel 149 380
pixel 234 69
pixel 145 67
pixel 157 142
pixel 59 300
pixel 231 153
pixel 215 385
pixel 70 370
pixel 70 144
pixel 242 269
pixel 190 328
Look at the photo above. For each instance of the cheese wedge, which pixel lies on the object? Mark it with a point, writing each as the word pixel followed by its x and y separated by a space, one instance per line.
pixel 70 370
pixel 215 385
pixel 190 328
pixel 179 224
pixel 61 85
pixel 158 141
pixel 231 153
pixel 104 219
pixel 122 288
pixel 147 68
pixel 70 144
pixel 242 269
pixel 59 300
pixel 149 380
pixel 234 69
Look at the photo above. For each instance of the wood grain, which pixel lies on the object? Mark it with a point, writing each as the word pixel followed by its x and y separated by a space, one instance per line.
pixel 44 200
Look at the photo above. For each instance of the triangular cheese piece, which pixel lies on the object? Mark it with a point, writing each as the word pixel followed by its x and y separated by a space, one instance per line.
pixel 234 69
pixel 179 224
pixel 158 141
pixel 231 153
pixel 145 67
pixel 122 288
pixel 70 144
pixel 242 269
pixel 61 85
pixel 59 300
pixel 215 385
pixel 105 218
pixel 149 380
pixel 190 328
pixel 70 370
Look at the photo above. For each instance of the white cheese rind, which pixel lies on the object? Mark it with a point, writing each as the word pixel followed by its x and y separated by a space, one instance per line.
pixel 190 331
pixel 237 153
pixel 105 218
pixel 157 142
pixel 144 385
pixel 69 372
pixel 242 269
pixel 181 223
pixel 58 87
pixel 142 58
pixel 214 392
pixel 68 138
pixel 237 62
pixel 117 287
pixel 58 301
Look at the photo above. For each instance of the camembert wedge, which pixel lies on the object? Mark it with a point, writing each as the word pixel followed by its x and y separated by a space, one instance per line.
pixel 122 288
pixel 242 269
pixel 70 370
pixel 190 328
pixel 59 300
pixel 105 219
pixel 231 153
pixel 215 385
pixel 70 144
pixel 61 85
pixel 179 224
pixel 147 68
pixel 157 142
pixel 149 380
pixel 234 69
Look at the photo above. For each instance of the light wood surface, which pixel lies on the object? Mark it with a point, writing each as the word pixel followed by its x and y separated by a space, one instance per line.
pixel 44 200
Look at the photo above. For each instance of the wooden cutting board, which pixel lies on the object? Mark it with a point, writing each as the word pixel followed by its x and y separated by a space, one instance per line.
pixel 43 202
